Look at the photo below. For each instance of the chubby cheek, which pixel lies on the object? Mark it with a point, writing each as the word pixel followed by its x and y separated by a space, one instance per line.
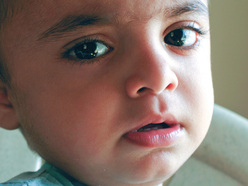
pixel 199 93
pixel 76 119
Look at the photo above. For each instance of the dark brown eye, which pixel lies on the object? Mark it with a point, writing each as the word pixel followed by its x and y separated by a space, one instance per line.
pixel 88 50
pixel 181 38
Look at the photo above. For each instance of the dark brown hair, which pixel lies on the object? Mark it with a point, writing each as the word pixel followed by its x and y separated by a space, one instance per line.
pixel 7 10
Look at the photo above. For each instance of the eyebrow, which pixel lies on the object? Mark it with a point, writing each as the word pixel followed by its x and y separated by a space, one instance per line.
pixel 196 6
pixel 71 23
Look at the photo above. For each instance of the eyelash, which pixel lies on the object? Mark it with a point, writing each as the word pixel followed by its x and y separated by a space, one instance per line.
pixel 72 53
pixel 190 27
pixel 68 53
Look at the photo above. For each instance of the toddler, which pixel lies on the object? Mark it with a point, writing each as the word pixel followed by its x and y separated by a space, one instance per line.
pixel 110 92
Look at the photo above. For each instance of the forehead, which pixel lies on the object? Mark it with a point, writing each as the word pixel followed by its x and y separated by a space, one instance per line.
pixel 44 10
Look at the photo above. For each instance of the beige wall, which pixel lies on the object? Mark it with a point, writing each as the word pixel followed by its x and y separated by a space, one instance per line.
pixel 229 34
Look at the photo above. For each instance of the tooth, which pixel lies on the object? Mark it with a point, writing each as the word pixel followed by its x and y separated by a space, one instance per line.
pixel 133 131
pixel 147 129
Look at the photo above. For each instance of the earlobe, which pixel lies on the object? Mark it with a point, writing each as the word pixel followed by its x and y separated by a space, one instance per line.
pixel 8 117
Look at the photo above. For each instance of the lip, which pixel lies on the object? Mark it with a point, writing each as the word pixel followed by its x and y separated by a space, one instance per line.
pixel 156 138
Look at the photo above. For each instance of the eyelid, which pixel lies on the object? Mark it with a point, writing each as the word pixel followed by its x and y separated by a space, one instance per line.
pixel 191 25
pixel 66 49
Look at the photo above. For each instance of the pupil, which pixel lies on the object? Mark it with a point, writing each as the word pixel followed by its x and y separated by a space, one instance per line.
pixel 86 50
pixel 176 37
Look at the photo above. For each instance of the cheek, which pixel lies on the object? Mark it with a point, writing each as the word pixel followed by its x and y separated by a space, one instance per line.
pixel 77 119
pixel 203 101
pixel 196 94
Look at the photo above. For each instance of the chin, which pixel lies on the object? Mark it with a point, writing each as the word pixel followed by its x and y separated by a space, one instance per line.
pixel 152 169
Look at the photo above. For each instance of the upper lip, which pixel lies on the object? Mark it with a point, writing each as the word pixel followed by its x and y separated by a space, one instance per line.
pixel 156 119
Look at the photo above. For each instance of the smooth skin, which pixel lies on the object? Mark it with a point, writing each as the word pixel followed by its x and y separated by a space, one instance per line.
pixel 76 112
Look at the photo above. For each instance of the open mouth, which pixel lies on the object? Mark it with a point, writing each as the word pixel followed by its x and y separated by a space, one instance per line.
pixel 155 134
pixel 150 127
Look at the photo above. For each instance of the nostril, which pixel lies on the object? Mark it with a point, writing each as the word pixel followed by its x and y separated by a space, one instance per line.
pixel 142 89
pixel 171 86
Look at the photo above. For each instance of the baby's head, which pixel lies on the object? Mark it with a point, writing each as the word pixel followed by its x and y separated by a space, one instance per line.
pixel 113 92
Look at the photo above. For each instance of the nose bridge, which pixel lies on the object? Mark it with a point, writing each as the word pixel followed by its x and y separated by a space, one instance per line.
pixel 152 70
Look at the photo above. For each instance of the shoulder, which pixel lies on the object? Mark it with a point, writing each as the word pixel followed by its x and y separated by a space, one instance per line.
pixel 47 175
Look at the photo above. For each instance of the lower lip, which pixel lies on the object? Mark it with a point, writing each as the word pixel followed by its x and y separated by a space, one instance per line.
pixel 156 138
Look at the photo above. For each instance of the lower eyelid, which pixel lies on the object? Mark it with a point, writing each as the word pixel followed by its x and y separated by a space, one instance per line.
pixel 184 51
pixel 95 60
pixel 67 55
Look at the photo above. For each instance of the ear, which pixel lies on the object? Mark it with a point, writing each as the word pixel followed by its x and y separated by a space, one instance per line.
pixel 8 117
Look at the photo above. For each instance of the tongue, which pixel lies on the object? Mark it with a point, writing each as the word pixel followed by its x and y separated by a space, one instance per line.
pixel 153 127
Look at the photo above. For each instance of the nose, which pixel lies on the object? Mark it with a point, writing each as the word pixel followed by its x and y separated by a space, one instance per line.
pixel 151 71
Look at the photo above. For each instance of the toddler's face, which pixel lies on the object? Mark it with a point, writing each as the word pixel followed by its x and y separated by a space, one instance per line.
pixel 114 92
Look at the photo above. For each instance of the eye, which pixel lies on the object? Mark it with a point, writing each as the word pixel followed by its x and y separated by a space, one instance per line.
pixel 87 50
pixel 181 38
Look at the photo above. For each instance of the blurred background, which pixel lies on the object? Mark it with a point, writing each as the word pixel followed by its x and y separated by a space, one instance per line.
pixel 229 37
